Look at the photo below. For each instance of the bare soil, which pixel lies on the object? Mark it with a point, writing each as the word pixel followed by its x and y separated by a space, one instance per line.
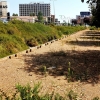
pixel 83 55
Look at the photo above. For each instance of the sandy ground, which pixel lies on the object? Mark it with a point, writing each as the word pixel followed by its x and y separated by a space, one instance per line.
pixel 15 70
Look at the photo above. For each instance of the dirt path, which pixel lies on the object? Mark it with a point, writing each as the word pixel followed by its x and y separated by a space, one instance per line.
pixel 15 70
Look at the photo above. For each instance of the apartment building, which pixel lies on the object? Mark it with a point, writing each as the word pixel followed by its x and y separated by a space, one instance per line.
pixel 34 8
pixel 3 8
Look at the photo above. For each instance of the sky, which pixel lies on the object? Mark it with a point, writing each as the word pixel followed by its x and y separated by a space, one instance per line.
pixel 63 9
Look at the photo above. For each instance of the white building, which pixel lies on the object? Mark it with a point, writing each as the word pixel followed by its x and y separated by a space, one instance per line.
pixel 25 18
pixel 3 8
pixel 27 9
pixel 31 19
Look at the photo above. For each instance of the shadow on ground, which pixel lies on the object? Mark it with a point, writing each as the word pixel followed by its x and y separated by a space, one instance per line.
pixel 84 43
pixel 89 38
pixel 76 65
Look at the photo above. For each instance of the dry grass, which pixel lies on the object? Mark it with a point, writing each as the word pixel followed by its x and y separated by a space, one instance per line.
pixel 29 67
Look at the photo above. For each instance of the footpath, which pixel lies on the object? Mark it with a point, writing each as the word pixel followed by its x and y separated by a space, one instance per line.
pixel 13 68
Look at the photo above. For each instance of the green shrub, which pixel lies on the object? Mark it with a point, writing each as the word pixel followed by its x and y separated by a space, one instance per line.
pixel 34 93
pixel 93 28
pixel 72 95
pixel 28 93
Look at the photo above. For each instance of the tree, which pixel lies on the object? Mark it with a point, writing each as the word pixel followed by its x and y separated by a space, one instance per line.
pixel 32 14
pixel 86 20
pixel 95 12
pixel 90 1
pixel 40 16
pixel 14 14
pixel 74 21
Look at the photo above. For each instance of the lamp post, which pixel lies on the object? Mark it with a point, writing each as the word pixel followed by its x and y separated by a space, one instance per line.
pixel 53 8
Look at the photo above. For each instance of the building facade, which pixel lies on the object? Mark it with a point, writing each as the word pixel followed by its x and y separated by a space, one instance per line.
pixel 31 19
pixel 85 14
pixel 3 8
pixel 34 8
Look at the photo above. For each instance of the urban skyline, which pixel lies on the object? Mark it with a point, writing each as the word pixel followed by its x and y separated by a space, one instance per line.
pixel 64 10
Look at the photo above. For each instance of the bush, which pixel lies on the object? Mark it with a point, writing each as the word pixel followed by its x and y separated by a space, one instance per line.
pixel 32 42
pixel 29 93
pixel 34 93
pixel 93 28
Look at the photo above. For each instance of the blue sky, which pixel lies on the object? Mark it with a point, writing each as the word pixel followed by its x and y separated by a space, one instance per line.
pixel 64 9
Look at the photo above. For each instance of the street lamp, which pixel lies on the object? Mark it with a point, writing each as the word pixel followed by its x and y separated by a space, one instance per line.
pixel 53 8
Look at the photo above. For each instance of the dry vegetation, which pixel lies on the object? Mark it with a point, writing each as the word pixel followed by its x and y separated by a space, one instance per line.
pixel 73 59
